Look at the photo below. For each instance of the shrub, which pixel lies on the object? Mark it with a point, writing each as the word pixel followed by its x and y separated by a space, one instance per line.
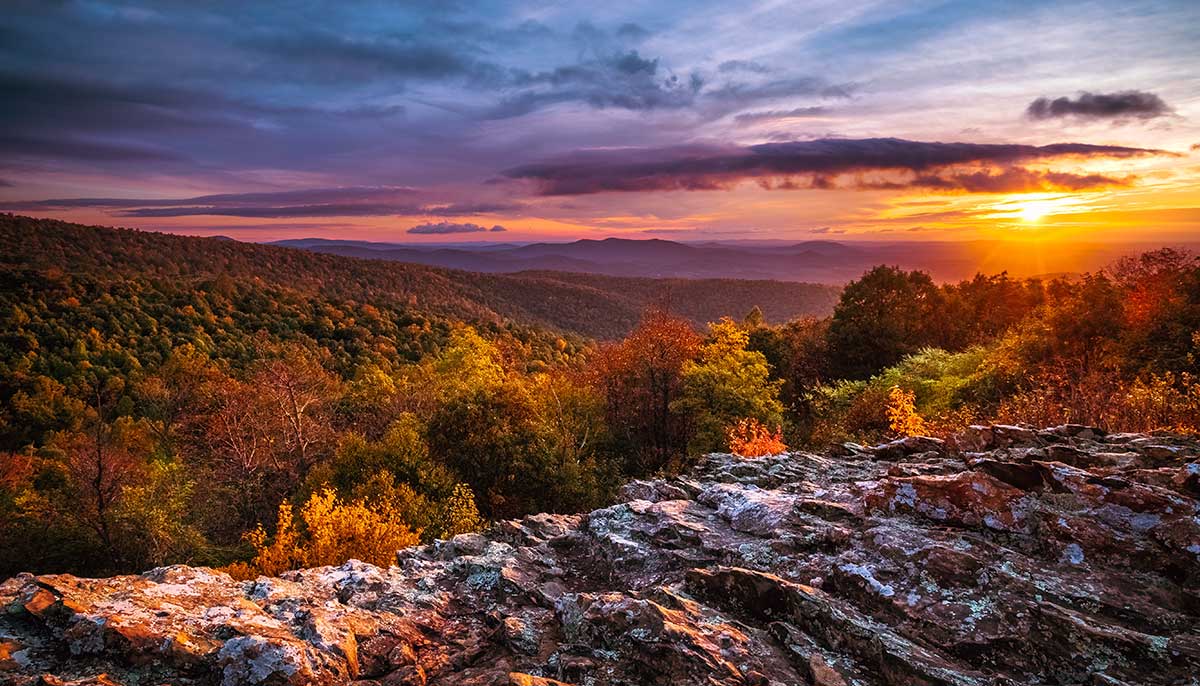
pixel 458 514
pixel 902 413
pixel 334 531
pixel 751 438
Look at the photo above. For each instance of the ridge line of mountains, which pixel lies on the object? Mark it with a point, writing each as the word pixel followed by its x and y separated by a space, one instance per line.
pixel 817 261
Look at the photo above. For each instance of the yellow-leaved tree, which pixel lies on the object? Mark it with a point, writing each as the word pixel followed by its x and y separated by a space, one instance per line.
pixel 728 383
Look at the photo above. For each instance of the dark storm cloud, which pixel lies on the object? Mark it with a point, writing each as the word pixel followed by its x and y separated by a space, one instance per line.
pixel 451 227
pixel 212 90
pixel 1130 104
pixel 311 196
pixel 289 211
pixel 44 101
pixel 324 210
pixel 325 55
pixel 814 164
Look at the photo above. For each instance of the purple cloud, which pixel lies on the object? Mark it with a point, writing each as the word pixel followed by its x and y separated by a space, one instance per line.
pixel 349 201
pixel 805 164
pixel 1123 105
pixel 451 227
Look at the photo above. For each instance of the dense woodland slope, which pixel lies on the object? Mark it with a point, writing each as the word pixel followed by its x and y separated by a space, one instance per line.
pixel 592 306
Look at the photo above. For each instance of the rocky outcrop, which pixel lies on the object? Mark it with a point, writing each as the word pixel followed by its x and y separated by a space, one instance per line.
pixel 1062 556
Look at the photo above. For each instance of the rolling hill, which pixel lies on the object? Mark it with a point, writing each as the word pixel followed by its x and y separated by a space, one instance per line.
pixel 590 305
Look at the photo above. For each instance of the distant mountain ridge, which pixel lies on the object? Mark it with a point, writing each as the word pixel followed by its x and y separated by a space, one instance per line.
pixel 590 305
pixel 819 261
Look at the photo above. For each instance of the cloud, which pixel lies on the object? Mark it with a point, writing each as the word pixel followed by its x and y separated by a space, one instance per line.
pixel 632 32
pixel 771 115
pixel 82 149
pixel 347 201
pixel 5 183
pixel 1119 106
pixel 624 80
pixel 332 56
pixel 451 227
pixel 742 65
pixel 1018 180
pixel 276 212
pixel 781 88
pixel 824 163
pixel 225 200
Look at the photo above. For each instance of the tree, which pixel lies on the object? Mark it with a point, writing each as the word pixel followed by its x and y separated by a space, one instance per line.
pixel 798 355
pixel 1084 325
pixel 640 378
pixel 572 438
pixel 1161 307
pixel 176 393
pixel 106 456
pixel 751 438
pixel 754 318
pixel 154 518
pixel 459 514
pixel 298 393
pixel 726 384
pixel 881 317
pixel 489 438
pixel 984 307
pixel 232 449
pixel 469 363
pixel 401 452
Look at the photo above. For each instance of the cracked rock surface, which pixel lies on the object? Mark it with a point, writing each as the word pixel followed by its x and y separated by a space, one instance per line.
pixel 1009 556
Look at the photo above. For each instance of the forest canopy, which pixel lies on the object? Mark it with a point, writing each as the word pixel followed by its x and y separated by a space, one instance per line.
pixel 167 399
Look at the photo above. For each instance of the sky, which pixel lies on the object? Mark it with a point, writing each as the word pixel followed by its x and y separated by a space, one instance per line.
pixel 453 121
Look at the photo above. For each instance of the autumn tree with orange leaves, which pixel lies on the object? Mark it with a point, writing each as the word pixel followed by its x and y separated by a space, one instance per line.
pixel 640 378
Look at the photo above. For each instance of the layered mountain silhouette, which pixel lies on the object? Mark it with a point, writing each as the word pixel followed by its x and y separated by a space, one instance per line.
pixel 810 261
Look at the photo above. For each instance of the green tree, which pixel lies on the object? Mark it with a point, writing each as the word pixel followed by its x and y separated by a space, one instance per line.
pixel 884 315
pixel 489 438
pixel 458 514
pixel 726 384
pixel 401 452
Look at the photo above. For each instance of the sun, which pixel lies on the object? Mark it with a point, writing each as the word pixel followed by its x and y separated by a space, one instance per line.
pixel 1036 209
pixel 1032 212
